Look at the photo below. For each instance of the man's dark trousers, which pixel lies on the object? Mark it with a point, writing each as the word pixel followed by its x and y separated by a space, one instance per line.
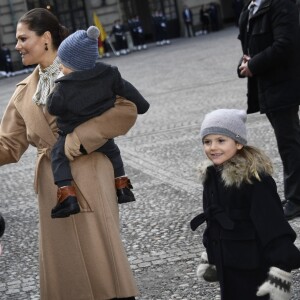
pixel 285 123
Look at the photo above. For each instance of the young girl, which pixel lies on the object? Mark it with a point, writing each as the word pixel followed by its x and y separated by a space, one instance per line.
pixel 247 239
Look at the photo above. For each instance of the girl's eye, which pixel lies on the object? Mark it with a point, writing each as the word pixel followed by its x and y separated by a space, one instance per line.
pixel 221 140
pixel 206 142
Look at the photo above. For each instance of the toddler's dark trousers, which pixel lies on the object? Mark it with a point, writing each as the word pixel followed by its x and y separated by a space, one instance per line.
pixel 61 165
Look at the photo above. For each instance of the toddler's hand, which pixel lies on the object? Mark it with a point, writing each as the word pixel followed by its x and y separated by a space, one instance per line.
pixel 72 146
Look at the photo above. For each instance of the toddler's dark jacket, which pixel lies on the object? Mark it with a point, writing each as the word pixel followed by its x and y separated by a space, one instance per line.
pixel 80 96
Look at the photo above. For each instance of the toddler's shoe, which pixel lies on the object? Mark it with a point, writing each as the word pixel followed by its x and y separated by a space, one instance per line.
pixel 123 186
pixel 67 203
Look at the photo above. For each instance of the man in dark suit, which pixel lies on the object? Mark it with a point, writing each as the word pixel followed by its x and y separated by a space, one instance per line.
pixel 188 20
pixel 270 38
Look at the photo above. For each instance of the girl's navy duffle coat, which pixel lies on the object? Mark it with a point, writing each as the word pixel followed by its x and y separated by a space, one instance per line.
pixel 246 231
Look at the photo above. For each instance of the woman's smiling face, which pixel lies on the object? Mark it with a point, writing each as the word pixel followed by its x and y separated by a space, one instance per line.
pixel 220 148
pixel 30 45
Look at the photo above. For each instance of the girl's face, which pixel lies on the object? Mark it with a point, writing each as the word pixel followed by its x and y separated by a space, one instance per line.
pixel 220 148
pixel 30 46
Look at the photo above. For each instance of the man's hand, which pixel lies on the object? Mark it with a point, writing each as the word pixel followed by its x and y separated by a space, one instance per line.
pixel 244 69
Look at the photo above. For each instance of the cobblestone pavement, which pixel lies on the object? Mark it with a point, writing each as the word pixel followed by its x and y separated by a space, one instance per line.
pixel 182 82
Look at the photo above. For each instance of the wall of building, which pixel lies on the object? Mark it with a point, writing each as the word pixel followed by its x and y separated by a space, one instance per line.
pixel 12 10
pixel 195 5
pixel 107 14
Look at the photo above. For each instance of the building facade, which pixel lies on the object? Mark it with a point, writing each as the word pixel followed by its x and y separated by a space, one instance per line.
pixel 78 14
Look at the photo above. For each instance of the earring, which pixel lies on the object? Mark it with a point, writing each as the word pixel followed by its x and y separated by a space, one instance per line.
pixel 46 46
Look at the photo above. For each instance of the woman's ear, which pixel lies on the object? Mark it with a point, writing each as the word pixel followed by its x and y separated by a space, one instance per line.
pixel 47 37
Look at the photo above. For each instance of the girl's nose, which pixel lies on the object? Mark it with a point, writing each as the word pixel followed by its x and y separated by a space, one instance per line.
pixel 212 145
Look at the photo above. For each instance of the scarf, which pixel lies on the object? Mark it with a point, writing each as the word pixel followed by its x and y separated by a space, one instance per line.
pixel 46 82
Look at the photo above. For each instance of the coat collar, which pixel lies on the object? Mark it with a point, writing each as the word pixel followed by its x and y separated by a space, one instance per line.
pixel 264 6
pixel 237 170
pixel 85 74
pixel 33 114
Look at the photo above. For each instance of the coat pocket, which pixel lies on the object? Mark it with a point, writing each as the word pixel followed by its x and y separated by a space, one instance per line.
pixel 84 181
pixel 261 36
pixel 240 249
pixel 85 206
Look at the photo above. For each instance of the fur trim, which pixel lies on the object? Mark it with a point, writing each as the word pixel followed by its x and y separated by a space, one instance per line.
pixel 202 167
pixel 238 169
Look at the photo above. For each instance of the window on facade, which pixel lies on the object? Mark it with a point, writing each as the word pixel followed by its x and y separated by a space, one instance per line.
pixel 168 7
pixel 71 13
pixel 79 17
pixel 146 8
pixel 77 4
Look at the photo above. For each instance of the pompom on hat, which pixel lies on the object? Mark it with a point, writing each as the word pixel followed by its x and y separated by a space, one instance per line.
pixel 228 122
pixel 79 50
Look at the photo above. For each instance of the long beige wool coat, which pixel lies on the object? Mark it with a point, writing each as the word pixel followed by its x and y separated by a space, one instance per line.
pixel 81 257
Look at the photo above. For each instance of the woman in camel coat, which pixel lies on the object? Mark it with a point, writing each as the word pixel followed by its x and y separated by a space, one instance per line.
pixel 81 257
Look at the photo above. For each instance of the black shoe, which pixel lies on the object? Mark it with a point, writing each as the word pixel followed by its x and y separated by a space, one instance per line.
pixel 67 203
pixel 2 225
pixel 125 195
pixel 66 208
pixel 291 210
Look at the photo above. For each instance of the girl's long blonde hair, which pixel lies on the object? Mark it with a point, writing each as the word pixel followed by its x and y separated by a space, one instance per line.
pixel 248 164
pixel 258 162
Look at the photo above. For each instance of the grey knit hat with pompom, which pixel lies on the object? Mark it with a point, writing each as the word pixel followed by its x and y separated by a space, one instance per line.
pixel 228 122
pixel 79 50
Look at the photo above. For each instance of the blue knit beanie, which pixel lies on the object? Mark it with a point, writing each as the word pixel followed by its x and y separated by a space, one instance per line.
pixel 228 122
pixel 79 50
